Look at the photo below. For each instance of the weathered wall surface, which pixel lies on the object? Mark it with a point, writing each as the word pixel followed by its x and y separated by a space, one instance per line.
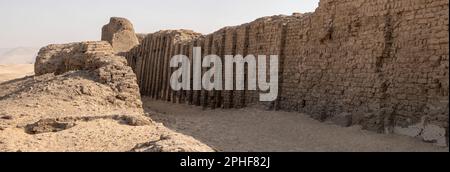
pixel 385 62
pixel 95 56
pixel 150 61
pixel 119 32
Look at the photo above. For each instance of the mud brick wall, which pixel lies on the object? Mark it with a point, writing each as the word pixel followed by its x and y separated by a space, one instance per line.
pixel 150 61
pixel 61 58
pixel 385 62
pixel 266 37
pixel 99 60
pixel 241 46
pixel 230 37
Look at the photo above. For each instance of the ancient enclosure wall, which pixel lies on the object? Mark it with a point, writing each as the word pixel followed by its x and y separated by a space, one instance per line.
pixel 385 62
pixel 150 61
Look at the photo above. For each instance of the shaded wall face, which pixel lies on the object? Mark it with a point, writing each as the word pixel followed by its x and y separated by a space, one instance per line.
pixel 331 61
pixel 384 61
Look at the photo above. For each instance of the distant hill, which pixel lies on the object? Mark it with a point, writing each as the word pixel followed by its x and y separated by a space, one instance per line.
pixel 4 50
pixel 20 55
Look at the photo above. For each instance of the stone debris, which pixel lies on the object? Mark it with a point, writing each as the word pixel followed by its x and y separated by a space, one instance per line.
pixel 172 143
pixel 47 125
pixel 343 119
pixel 435 134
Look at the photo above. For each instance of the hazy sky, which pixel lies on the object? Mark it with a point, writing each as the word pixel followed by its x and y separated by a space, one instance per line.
pixel 35 23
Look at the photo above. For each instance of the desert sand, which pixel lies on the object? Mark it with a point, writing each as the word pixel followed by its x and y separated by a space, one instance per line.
pixel 9 72
pixel 255 130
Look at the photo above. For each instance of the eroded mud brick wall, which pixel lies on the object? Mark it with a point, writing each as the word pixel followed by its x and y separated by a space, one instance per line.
pixel 150 61
pixel 385 62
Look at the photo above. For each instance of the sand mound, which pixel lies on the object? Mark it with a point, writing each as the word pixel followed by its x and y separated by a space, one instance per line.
pixel 83 98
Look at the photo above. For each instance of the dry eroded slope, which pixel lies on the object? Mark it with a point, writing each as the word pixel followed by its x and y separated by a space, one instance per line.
pixel 91 104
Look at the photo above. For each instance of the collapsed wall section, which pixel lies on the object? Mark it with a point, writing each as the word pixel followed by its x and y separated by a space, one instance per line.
pixel 94 56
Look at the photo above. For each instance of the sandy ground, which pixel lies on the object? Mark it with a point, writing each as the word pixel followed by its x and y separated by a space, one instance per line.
pixel 72 113
pixel 252 129
pixel 9 72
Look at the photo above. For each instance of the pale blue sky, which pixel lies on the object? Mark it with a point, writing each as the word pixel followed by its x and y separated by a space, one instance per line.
pixel 35 23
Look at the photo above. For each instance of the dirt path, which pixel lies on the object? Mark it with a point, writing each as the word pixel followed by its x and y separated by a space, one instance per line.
pixel 257 130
